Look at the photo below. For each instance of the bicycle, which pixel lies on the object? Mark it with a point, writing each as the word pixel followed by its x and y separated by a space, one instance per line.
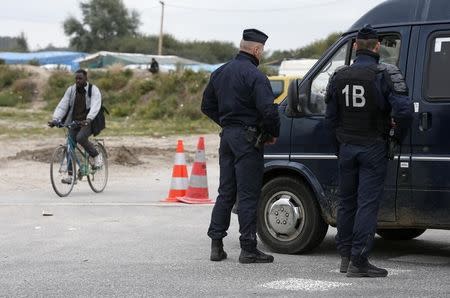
pixel 70 163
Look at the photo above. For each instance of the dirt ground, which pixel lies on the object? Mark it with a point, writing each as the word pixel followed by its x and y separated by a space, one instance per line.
pixel 24 163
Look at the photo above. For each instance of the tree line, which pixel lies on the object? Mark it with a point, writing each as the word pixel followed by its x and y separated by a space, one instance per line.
pixel 108 25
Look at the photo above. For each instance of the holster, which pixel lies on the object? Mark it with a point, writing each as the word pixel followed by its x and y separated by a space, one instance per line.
pixel 392 148
pixel 261 139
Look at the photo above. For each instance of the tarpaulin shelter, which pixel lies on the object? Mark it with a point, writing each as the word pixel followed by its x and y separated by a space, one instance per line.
pixel 67 59
pixel 169 62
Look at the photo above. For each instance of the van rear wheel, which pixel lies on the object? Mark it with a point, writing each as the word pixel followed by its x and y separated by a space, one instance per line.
pixel 289 219
pixel 400 234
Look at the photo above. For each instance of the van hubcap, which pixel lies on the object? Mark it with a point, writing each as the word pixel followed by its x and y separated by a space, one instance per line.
pixel 284 216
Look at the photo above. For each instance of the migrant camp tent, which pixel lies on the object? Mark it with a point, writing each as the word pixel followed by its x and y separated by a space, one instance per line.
pixel 166 63
pixel 66 59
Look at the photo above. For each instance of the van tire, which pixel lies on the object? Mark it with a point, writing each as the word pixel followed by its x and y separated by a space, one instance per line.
pixel 309 233
pixel 400 234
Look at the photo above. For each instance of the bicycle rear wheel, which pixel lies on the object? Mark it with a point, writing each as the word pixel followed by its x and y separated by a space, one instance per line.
pixel 98 177
pixel 62 171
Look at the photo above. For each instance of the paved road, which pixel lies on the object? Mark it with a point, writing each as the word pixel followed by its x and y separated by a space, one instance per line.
pixel 125 243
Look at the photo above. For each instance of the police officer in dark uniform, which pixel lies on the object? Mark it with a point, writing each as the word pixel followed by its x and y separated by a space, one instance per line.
pixel 365 102
pixel 239 98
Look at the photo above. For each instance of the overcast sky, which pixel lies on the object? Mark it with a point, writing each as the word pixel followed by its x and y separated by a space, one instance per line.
pixel 290 24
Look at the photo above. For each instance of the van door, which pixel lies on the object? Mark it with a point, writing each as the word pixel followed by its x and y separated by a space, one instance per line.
pixel 430 203
pixel 311 144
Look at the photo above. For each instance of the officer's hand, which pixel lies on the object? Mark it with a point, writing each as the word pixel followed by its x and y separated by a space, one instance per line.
pixel 86 122
pixel 271 141
pixel 393 123
pixel 52 123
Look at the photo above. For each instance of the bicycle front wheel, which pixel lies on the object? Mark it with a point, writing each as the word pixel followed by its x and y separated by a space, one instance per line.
pixel 62 171
pixel 98 176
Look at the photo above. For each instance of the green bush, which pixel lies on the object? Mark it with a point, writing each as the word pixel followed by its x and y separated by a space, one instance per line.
pixel 8 99
pixel 111 79
pixel 146 86
pixel 57 85
pixel 121 111
pixel 169 84
pixel 25 89
pixel 9 74
pixel 34 62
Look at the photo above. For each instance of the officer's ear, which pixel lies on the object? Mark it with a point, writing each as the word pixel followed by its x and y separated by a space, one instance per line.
pixel 377 47
pixel 257 51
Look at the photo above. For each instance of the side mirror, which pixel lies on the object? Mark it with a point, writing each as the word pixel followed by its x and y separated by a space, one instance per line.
pixel 298 97
pixel 292 99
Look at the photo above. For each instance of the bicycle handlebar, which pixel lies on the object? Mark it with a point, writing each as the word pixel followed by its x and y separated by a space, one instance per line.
pixel 73 124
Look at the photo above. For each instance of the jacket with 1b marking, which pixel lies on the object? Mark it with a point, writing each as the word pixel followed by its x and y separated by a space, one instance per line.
pixel 362 98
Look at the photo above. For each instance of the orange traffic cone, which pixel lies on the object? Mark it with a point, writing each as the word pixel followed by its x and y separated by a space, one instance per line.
pixel 179 183
pixel 197 192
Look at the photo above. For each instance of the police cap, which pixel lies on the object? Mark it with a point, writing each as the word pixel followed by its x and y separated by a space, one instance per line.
pixel 254 35
pixel 367 32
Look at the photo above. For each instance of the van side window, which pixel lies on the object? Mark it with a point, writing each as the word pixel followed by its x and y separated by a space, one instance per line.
pixel 438 69
pixel 389 53
pixel 316 103
pixel 277 87
pixel 389 50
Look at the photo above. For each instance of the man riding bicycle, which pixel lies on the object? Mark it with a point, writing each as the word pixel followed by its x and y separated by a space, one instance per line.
pixel 81 105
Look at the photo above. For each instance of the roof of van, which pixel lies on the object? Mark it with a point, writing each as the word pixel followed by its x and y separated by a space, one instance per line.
pixel 403 12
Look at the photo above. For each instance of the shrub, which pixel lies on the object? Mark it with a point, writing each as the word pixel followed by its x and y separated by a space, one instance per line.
pixel 57 85
pixel 34 62
pixel 24 88
pixel 146 86
pixel 112 79
pixel 121 111
pixel 8 99
pixel 9 74
pixel 169 84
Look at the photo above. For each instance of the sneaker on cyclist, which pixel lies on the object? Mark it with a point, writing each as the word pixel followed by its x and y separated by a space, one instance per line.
pixel 68 180
pixel 98 161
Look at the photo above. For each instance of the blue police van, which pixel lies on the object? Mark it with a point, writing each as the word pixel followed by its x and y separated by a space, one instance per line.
pixel 299 198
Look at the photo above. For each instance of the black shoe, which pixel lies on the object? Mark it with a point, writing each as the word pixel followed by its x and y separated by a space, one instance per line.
pixel 365 270
pixel 255 256
pixel 344 264
pixel 217 252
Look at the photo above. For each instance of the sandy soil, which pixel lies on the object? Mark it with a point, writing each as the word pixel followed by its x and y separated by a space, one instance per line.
pixel 24 162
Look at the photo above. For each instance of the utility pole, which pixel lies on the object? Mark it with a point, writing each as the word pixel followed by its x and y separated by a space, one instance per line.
pixel 161 29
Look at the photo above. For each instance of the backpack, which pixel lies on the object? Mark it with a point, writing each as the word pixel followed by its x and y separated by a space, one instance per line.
pixel 98 123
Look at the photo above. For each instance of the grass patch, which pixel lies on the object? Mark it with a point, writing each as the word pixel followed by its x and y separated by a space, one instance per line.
pixel 27 123
pixel 157 128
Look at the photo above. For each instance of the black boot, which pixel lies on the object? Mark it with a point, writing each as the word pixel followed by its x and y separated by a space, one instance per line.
pixel 364 269
pixel 344 264
pixel 217 252
pixel 254 256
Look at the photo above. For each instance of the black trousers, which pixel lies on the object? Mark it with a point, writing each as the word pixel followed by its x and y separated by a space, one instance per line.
pixel 241 173
pixel 81 136
pixel 362 171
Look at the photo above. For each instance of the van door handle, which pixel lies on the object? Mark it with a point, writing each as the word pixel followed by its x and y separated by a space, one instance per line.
pixel 425 121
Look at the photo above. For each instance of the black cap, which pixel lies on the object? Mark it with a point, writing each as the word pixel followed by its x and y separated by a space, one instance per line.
pixel 367 32
pixel 254 35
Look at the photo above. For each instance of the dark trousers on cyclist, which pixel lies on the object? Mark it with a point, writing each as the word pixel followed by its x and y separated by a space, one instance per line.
pixel 81 136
